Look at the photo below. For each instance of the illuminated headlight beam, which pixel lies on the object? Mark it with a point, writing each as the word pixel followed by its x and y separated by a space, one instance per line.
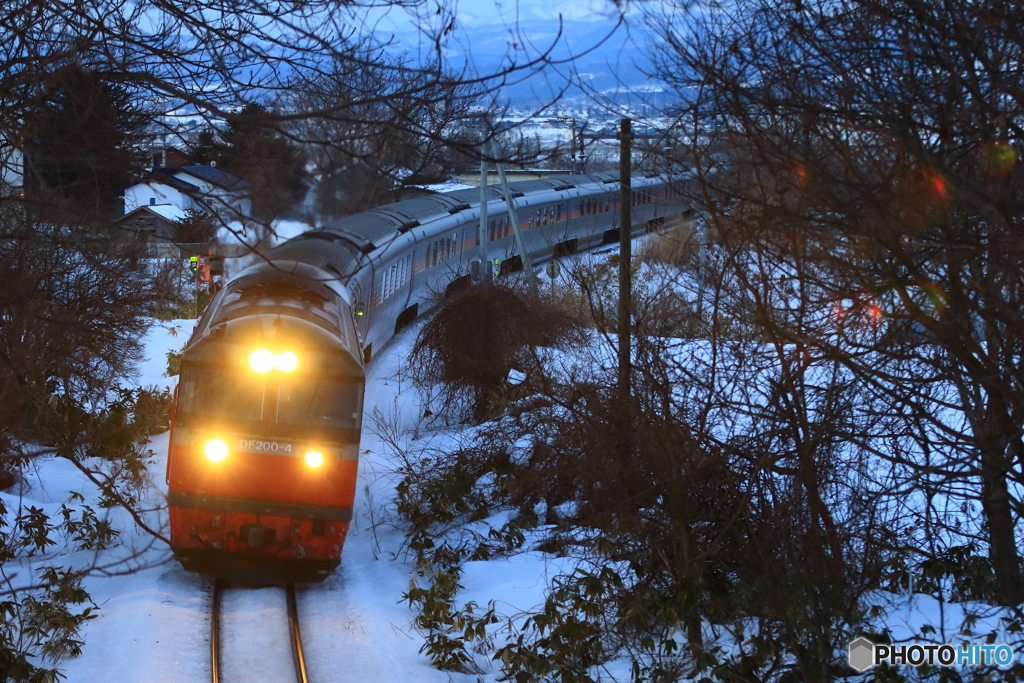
pixel 263 361
pixel 216 450
pixel 286 361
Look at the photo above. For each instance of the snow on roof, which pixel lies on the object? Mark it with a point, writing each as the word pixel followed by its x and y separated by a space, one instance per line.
pixel 165 176
pixel 167 211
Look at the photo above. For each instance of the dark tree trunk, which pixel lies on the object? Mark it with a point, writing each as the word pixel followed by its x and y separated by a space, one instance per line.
pixel 995 502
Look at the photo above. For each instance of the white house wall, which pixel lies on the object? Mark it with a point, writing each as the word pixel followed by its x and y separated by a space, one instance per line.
pixel 139 195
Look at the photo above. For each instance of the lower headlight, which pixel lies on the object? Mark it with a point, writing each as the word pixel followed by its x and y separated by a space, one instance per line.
pixel 314 458
pixel 216 450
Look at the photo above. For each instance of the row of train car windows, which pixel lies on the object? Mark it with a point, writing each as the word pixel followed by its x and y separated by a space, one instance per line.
pixel 397 274
pixel 545 216
pixel 498 229
pixel 595 205
pixel 641 197
pixel 395 277
pixel 441 250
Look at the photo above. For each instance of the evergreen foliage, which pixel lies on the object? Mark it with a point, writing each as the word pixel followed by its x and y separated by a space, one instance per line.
pixel 80 144
pixel 196 227
pixel 253 148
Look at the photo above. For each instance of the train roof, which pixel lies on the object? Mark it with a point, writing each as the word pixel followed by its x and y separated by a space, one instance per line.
pixel 343 245
pixel 368 229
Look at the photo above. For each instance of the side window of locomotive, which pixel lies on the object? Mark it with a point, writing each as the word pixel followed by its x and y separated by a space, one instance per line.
pixel 219 393
pixel 312 401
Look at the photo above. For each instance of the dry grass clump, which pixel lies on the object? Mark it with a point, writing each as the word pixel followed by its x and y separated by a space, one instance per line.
pixel 675 247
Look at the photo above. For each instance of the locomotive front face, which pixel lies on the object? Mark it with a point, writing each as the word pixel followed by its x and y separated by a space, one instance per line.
pixel 264 450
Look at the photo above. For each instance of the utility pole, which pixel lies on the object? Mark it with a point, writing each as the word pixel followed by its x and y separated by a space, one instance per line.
pixel 484 274
pixel 573 167
pixel 572 144
pixel 580 167
pixel 625 262
pixel 513 216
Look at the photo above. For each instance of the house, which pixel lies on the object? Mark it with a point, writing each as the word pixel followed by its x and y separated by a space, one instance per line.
pixel 202 188
pixel 159 221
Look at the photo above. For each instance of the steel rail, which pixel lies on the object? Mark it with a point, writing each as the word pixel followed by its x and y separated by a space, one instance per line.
pixel 293 625
pixel 218 587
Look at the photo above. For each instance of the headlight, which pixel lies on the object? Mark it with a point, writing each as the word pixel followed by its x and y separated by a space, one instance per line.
pixel 314 458
pixel 261 361
pixel 286 361
pixel 216 450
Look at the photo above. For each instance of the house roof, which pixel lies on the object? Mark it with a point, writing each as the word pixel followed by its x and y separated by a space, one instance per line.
pixel 167 176
pixel 168 212
pixel 214 177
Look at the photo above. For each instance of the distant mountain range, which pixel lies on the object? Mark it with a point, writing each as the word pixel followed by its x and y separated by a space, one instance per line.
pixel 590 51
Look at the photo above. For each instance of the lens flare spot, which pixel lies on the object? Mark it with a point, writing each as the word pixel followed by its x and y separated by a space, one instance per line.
pixel 286 361
pixel 261 361
pixel 314 458
pixel 216 450
pixel 1000 158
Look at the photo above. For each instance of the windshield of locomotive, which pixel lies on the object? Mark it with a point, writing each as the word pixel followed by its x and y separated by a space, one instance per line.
pixel 299 400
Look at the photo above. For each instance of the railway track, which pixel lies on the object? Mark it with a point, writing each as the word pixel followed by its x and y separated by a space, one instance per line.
pixel 294 631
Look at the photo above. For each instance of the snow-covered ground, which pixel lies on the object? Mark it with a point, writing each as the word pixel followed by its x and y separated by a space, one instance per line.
pixel 154 619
